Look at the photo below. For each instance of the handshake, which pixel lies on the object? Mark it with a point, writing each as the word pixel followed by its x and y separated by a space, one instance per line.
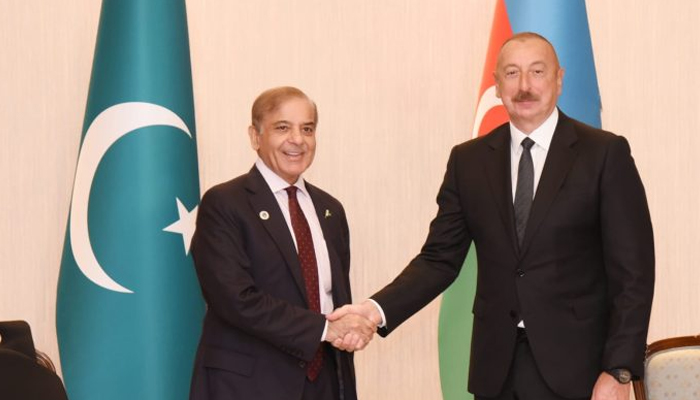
pixel 352 326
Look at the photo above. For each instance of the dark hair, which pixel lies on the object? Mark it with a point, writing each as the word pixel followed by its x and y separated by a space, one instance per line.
pixel 44 360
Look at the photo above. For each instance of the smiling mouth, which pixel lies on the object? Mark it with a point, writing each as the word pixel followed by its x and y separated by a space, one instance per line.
pixel 293 154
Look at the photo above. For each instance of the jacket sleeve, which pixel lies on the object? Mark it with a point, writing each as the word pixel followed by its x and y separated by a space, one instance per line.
pixel 439 262
pixel 628 248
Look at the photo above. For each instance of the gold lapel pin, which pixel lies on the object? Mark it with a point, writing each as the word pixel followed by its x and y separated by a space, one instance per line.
pixel 264 215
pixel 328 214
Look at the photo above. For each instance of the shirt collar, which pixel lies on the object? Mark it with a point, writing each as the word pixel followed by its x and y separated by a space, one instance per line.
pixel 275 182
pixel 542 136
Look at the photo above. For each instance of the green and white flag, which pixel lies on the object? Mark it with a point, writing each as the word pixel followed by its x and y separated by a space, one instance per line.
pixel 129 307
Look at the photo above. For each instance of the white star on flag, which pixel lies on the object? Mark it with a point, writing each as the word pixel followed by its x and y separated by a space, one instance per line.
pixel 185 225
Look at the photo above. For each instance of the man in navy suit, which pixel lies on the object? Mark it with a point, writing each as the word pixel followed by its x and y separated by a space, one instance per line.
pixel 559 218
pixel 272 255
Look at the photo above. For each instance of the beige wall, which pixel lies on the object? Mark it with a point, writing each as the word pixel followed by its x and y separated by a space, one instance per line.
pixel 396 82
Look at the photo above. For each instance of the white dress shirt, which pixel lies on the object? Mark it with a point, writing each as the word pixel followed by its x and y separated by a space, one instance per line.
pixel 277 186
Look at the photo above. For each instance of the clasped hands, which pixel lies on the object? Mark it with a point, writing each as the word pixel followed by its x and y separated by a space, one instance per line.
pixel 352 326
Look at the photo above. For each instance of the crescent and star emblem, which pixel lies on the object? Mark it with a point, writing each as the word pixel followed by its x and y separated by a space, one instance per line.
pixel 109 126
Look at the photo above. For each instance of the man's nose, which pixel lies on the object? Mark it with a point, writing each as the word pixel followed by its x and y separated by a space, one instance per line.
pixel 295 136
pixel 524 83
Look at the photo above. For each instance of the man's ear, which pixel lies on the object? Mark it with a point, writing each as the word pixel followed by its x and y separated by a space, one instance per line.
pixel 254 137
pixel 560 80
pixel 496 85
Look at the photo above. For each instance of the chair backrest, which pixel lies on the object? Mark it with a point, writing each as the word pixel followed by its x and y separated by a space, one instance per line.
pixel 21 376
pixel 671 370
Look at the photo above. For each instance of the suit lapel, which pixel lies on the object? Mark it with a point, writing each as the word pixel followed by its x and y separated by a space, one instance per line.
pixel 497 167
pixel 325 215
pixel 560 158
pixel 264 204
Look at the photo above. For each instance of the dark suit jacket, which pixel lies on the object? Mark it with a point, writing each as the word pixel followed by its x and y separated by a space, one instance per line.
pixel 583 281
pixel 258 331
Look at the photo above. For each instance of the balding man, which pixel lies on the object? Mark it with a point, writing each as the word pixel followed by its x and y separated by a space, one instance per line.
pixel 272 256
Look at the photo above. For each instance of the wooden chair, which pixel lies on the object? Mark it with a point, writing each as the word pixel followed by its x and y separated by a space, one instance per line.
pixel 671 370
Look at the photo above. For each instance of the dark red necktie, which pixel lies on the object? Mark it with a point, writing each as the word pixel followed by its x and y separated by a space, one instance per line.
pixel 309 269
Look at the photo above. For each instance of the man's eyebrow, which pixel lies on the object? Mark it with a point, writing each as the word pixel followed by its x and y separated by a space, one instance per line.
pixel 284 121
pixel 510 65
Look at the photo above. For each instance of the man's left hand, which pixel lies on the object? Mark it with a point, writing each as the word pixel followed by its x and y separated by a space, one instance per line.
pixel 608 388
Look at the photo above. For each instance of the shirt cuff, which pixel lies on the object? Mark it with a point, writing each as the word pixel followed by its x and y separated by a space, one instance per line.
pixel 381 312
pixel 325 330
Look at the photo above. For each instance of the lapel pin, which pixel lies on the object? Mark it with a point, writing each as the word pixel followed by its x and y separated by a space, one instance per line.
pixel 264 215
pixel 328 214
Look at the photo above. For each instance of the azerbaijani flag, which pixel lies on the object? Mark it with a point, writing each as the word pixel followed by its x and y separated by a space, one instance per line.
pixel 129 308
pixel 565 25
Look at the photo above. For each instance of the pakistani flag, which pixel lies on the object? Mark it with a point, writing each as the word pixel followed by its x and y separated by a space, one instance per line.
pixel 565 24
pixel 129 307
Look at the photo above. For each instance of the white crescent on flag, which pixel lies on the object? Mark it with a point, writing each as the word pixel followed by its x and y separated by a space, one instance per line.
pixel 108 127
pixel 487 101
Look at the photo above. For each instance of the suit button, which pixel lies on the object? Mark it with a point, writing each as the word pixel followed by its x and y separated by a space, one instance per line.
pixel 513 314
pixel 519 272
pixel 302 364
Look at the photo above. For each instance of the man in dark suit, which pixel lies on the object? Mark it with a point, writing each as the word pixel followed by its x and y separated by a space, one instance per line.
pixel 272 256
pixel 564 243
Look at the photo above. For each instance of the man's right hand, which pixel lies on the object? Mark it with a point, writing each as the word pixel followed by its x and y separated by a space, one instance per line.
pixel 350 332
pixel 354 339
